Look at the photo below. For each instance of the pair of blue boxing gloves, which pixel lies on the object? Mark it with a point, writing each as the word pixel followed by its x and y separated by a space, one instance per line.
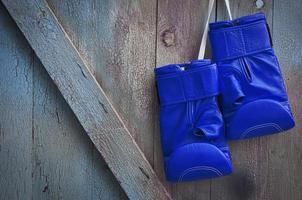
pixel 241 94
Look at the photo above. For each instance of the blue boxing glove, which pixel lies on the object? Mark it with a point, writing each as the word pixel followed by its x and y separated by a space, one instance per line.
pixel 254 99
pixel 192 129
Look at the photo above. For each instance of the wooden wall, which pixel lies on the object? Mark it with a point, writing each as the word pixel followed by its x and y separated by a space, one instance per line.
pixel 44 151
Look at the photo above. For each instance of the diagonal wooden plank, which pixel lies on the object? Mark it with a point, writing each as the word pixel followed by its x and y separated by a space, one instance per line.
pixel 86 98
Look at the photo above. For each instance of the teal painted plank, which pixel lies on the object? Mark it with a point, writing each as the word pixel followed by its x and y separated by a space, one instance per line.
pixel 64 159
pixel 16 79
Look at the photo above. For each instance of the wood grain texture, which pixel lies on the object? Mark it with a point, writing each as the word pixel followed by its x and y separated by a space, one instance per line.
pixel 117 40
pixel 265 167
pixel 86 99
pixel 65 163
pixel 285 150
pixel 86 174
pixel 179 32
pixel 44 152
pixel 16 79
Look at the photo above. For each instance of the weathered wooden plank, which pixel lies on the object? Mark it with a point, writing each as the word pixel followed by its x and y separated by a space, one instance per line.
pixel 85 174
pixel 179 32
pixel 285 151
pixel 122 58
pixel 15 111
pixel 93 179
pixel 64 160
pixel 87 99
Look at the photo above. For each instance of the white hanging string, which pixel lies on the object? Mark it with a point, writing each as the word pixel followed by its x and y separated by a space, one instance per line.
pixel 203 44
pixel 227 3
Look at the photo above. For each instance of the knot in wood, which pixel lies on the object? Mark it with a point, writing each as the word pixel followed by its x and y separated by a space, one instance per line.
pixel 168 37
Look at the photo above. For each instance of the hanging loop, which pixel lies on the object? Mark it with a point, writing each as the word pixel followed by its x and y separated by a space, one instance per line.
pixel 203 44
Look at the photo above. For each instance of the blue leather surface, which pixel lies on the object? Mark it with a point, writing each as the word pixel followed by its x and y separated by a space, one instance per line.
pixel 192 130
pixel 253 95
